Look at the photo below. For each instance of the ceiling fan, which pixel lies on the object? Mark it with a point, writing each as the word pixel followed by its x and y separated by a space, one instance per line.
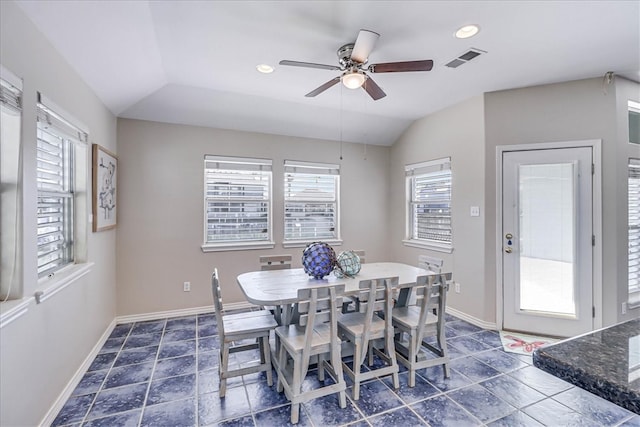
pixel 353 59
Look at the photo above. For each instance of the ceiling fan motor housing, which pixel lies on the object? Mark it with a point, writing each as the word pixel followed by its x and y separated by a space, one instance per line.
pixel 344 55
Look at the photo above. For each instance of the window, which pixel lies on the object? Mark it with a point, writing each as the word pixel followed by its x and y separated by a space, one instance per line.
pixel 10 123
pixel 311 194
pixel 634 232
pixel 429 205
pixel 634 122
pixel 237 199
pixel 58 140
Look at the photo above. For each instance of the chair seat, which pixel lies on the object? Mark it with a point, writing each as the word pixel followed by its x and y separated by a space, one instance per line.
pixel 293 337
pixel 353 323
pixel 409 317
pixel 252 321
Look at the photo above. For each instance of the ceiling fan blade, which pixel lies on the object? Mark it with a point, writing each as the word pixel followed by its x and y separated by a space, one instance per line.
pixel 373 89
pixel 323 87
pixel 364 45
pixel 310 65
pixel 399 67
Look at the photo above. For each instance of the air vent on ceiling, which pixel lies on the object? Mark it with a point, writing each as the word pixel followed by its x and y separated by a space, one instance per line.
pixel 465 57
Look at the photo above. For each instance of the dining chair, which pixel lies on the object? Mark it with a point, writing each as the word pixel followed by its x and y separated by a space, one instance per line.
pixel 315 334
pixel 363 327
pixel 275 262
pixel 362 255
pixel 415 323
pixel 236 332
pixel 350 304
pixel 430 263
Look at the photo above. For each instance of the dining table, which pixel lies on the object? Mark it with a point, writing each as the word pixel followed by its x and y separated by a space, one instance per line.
pixel 279 288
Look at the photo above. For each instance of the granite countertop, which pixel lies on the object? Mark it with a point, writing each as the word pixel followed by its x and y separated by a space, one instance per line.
pixel 605 362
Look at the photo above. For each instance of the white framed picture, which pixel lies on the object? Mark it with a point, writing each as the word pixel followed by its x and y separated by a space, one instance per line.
pixel 105 172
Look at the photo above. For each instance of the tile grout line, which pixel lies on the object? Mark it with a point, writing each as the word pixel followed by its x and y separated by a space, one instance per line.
pixel 104 380
pixel 153 370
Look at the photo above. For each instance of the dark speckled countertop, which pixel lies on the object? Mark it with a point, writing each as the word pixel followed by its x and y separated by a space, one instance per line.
pixel 605 362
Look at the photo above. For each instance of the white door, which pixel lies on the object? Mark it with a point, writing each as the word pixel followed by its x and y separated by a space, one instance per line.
pixel 547 233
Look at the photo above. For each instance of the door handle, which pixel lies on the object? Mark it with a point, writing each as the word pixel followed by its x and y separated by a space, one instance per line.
pixel 508 250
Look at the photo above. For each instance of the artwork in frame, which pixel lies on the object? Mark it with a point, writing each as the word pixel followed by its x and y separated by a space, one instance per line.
pixel 105 169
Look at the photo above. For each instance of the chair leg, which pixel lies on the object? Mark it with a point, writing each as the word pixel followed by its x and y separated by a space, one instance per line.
pixel 282 366
pixel 336 363
pixel 356 369
pixel 266 356
pixel 295 413
pixel 391 353
pixel 370 355
pixel 412 359
pixel 321 362
pixel 223 369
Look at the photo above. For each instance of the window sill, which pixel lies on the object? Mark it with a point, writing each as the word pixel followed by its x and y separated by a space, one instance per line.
pixel 634 302
pixel 429 246
pixel 13 309
pixel 303 243
pixel 51 285
pixel 220 247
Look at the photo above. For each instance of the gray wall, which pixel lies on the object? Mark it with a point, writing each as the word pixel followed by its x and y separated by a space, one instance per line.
pixel 456 132
pixel 41 350
pixel 577 110
pixel 160 219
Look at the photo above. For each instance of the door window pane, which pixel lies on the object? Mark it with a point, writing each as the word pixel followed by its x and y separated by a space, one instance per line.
pixel 547 235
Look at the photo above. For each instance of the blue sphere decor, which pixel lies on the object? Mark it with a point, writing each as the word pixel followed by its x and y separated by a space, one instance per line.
pixel 347 264
pixel 318 259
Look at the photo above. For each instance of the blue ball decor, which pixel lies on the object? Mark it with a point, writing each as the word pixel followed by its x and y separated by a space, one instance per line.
pixel 347 264
pixel 318 259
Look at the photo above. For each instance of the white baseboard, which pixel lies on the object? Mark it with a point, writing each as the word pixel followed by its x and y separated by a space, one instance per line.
pixel 179 313
pixel 474 321
pixel 50 416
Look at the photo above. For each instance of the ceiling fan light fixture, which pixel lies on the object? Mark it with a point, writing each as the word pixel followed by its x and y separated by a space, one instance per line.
pixel 353 80
pixel 264 68
pixel 467 31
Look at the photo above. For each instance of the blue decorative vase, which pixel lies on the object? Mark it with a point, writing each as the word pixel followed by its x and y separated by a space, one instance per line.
pixel 347 264
pixel 318 259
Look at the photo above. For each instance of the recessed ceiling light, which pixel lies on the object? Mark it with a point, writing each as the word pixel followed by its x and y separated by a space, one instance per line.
pixel 467 31
pixel 264 68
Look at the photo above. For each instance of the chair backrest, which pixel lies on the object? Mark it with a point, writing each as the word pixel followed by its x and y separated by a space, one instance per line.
pixel 275 262
pixel 217 300
pixel 316 306
pixel 376 295
pixel 430 263
pixel 431 297
pixel 361 254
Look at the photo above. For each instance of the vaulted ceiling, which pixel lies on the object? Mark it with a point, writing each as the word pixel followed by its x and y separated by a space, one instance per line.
pixel 194 62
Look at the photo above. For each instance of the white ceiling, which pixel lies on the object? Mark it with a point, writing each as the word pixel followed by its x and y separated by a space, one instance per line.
pixel 193 62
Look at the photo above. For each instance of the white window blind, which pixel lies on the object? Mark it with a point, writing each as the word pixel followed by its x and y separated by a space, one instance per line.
pixel 311 194
pixel 10 96
pixel 10 125
pixel 429 203
pixel 237 200
pixel 55 181
pixel 634 231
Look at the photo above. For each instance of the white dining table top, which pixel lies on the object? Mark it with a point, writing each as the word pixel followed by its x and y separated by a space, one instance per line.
pixel 278 287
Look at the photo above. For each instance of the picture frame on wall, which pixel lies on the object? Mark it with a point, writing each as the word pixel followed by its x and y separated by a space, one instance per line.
pixel 105 188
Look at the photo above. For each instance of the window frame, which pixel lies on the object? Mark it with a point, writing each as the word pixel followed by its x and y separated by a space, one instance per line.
pixel 11 102
pixel 295 167
pixel 633 219
pixel 53 119
pixel 240 165
pixel 412 173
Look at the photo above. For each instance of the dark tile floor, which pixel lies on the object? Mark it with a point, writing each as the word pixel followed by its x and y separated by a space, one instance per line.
pixel 164 373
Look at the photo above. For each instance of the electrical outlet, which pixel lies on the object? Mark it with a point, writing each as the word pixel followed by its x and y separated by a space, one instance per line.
pixel 187 287
pixel 457 288
pixel 624 308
